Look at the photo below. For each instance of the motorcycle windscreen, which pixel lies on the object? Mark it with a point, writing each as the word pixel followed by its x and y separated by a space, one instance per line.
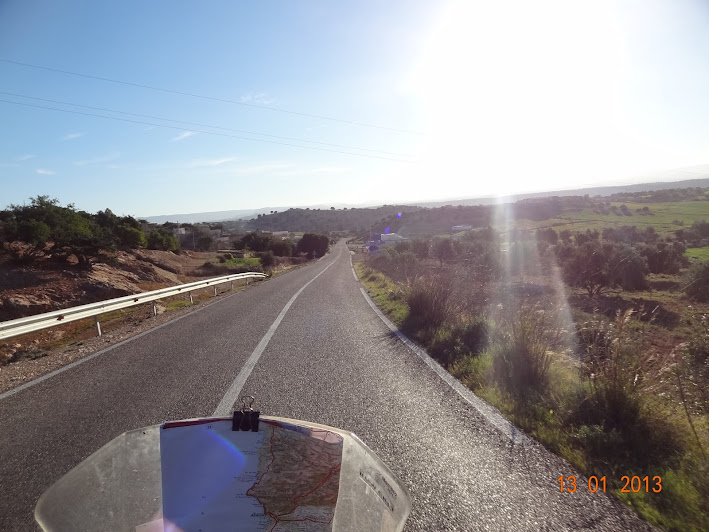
pixel 201 475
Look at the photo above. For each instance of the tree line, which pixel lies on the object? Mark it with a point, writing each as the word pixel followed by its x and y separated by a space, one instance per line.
pixel 612 259
pixel 50 229
pixel 312 244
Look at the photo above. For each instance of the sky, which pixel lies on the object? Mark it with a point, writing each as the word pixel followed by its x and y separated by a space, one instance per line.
pixel 222 105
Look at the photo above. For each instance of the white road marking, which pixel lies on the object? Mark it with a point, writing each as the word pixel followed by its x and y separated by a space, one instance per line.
pixel 226 405
pixel 488 411
pixel 354 273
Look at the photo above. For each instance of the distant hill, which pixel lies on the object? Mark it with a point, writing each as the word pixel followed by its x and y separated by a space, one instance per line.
pixel 216 216
pixel 591 191
pixel 322 220
pixel 245 214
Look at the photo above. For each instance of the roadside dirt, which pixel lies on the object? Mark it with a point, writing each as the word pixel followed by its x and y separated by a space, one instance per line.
pixel 43 286
pixel 48 350
pixel 26 290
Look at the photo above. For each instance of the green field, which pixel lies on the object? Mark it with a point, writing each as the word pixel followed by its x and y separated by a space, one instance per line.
pixel 247 262
pixel 698 253
pixel 662 217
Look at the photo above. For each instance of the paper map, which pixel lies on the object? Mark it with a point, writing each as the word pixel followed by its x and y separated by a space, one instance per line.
pixel 282 478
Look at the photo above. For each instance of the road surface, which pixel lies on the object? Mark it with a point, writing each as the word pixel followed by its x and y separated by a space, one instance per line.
pixel 329 359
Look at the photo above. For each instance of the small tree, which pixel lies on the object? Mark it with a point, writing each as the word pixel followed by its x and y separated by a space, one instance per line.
pixel 267 260
pixel 254 242
pixel 421 248
pixel 131 237
pixel 443 249
pixel 34 232
pixel 314 244
pixel 696 281
pixel 163 240
pixel 204 242
pixel 282 248
pixel 597 267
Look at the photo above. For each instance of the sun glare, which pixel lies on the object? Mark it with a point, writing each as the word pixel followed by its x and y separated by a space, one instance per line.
pixel 521 96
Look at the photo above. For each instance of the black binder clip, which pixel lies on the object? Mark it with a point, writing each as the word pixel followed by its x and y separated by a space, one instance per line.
pixel 246 418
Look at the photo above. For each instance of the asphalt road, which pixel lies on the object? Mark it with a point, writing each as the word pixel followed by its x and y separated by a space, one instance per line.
pixel 330 360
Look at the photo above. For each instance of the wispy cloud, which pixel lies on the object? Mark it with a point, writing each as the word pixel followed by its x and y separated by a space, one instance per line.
pixel 182 136
pixel 201 163
pixel 261 168
pixel 98 160
pixel 72 136
pixel 44 171
pixel 259 98
pixel 26 157
pixel 330 170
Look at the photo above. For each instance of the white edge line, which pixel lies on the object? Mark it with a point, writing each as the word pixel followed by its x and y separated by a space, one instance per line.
pixel 232 394
pixel 489 412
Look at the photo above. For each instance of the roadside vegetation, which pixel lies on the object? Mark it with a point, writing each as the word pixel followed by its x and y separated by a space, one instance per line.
pixel 45 229
pixel 595 342
pixel 54 256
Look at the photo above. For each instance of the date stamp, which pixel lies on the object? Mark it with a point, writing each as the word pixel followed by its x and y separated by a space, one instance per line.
pixel 632 484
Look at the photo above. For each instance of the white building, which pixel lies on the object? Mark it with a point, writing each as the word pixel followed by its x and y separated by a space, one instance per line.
pixel 392 238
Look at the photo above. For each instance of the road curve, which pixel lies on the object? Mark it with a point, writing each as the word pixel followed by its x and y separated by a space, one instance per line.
pixel 328 358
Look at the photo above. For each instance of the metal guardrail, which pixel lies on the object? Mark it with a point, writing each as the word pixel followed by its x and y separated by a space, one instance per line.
pixel 12 328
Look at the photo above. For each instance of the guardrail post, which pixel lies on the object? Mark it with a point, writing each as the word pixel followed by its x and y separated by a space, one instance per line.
pixel 191 301
pixel 215 290
pixel 231 286
pixel 247 281
pixel 155 309
pixel 98 325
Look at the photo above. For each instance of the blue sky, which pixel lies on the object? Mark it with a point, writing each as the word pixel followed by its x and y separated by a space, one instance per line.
pixel 480 97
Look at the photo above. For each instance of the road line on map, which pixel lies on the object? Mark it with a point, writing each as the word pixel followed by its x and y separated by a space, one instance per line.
pixel 232 394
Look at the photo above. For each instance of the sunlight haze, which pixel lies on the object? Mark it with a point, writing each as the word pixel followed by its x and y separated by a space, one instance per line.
pixel 287 104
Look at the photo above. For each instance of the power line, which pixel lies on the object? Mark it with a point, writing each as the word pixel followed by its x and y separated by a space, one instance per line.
pixel 223 100
pixel 200 125
pixel 204 132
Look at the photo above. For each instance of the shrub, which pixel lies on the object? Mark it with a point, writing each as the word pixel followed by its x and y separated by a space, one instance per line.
pixel 421 248
pixel 267 260
pixel 696 281
pixel 254 242
pixel 34 232
pixel 204 242
pixel 450 345
pixel 282 248
pixel 613 363
pixel 444 250
pixel 597 266
pixel 313 244
pixel 428 302
pixel 523 351
pixel 131 237
pixel 163 240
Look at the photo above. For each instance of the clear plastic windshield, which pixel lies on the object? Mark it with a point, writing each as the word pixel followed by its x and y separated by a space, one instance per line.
pixel 201 475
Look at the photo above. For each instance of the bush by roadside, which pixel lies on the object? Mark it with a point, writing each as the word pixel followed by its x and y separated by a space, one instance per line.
pixel 592 391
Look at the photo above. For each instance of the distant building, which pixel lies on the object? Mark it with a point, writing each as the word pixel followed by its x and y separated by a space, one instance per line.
pixel 280 234
pixel 177 231
pixel 459 228
pixel 392 238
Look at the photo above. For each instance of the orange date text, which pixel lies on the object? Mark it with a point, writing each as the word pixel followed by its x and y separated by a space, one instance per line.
pixel 629 484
